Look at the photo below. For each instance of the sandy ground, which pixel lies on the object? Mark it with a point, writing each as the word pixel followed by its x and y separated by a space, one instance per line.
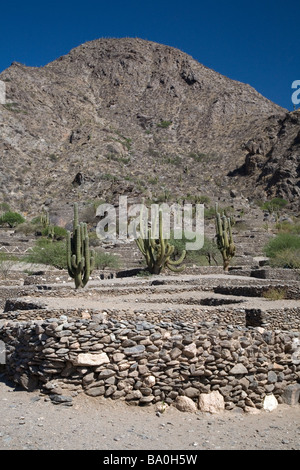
pixel 29 421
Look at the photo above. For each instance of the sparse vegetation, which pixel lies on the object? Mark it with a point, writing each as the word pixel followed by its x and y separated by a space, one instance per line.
pixel 12 219
pixel 208 255
pixel 286 226
pixel 6 265
pixel 27 228
pixel 274 205
pixel 275 293
pixel 49 253
pixel 14 107
pixel 164 124
pixel 54 232
pixel 284 251
pixel 106 260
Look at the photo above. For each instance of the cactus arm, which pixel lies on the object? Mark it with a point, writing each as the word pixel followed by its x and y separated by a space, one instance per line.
pixel 75 220
pixel 157 251
pixel 179 260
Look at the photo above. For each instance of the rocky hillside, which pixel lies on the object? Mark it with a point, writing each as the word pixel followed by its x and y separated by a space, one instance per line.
pixel 272 164
pixel 129 116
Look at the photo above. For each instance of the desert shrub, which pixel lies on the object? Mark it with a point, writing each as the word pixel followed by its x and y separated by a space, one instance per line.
pixel 288 227
pixel 275 293
pixel 55 232
pixel 202 199
pixel 287 258
pixel 11 218
pixel 36 220
pixel 164 124
pixel 274 205
pixel 53 253
pixel 282 241
pixel 27 228
pixel 106 260
pixel 210 212
pixel 284 251
pixel 6 266
pixel 205 256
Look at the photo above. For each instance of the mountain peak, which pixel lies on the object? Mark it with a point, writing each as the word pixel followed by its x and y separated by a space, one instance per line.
pixel 124 112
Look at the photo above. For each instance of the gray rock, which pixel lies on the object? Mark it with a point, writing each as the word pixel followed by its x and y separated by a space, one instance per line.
pixel 95 391
pixel 57 399
pixel 191 392
pixel 238 369
pixel 146 399
pixel 106 373
pixel 272 377
pixel 291 394
pixel 135 350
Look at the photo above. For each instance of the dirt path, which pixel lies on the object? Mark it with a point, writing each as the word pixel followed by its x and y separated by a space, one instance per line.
pixel 29 421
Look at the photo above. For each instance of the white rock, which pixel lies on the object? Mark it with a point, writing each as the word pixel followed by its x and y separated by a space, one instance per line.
pixel 87 359
pixel 149 381
pixel 270 403
pixel 161 407
pixel 185 404
pixel 212 402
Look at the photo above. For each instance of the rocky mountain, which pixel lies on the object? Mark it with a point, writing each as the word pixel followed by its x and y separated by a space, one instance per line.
pixel 272 164
pixel 133 117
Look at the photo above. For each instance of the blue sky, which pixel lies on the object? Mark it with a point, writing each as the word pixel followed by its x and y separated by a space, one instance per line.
pixel 255 42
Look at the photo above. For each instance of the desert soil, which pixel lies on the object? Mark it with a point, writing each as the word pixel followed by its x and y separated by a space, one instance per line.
pixel 29 421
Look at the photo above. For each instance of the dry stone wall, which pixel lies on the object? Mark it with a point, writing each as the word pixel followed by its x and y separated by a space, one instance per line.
pixel 142 361
pixel 288 318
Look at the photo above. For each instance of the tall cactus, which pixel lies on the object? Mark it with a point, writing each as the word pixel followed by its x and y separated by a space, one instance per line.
pixel 224 238
pixel 157 252
pixel 44 218
pixel 80 258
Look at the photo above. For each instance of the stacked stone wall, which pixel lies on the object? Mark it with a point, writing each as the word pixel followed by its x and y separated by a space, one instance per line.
pixel 144 360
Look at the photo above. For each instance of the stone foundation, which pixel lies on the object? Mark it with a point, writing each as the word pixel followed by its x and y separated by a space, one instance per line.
pixel 145 360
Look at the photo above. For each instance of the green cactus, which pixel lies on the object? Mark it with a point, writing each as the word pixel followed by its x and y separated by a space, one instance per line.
pixel 44 218
pixel 51 233
pixel 157 252
pixel 224 238
pixel 80 259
